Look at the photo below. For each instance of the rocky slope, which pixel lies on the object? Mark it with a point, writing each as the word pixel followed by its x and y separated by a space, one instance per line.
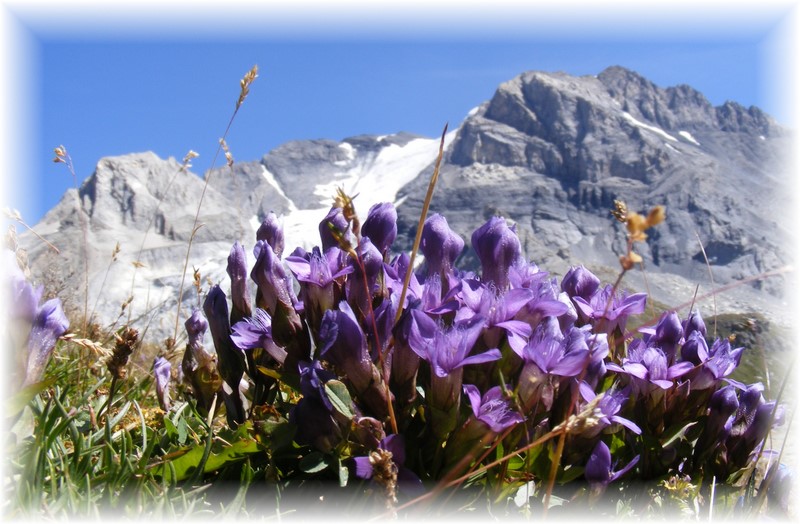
pixel 549 152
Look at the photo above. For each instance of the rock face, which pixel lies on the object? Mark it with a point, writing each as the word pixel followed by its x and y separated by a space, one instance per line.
pixel 549 151
pixel 552 152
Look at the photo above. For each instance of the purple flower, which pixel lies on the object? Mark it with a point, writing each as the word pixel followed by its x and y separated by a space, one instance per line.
pixel 498 249
pixel 647 367
pixel 198 365
pixel 599 469
pixel 237 271
pixel 721 407
pixel 274 287
pixel 580 282
pixel 317 274
pixel 609 406
pixel 668 335
pixel 498 309
pixel 334 221
pixel 381 226
pixel 256 332
pixel 694 323
pixel 440 245
pixel 343 344
pixel 49 323
pixel 231 359
pixel 555 354
pixel 491 408
pixel 712 365
pixel 372 261
pixel 161 370
pixel 447 352
pixel 272 231
pixel 612 311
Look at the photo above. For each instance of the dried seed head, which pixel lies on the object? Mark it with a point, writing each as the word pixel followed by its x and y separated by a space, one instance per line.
pixel 125 343
pixel 384 472
pixel 245 82
pixel 228 155
pixel 620 211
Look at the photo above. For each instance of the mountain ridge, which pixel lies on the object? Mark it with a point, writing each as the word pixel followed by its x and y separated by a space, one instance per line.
pixel 549 151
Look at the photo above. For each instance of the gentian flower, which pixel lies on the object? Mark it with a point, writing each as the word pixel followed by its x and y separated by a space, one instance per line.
pixel 200 366
pixel 713 364
pixel 441 246
pixel 274 287
pixel 491 409
pixel 609 406
pixel 547 355
pixel 694 323
pixel 498 309
pixel 648 369
pixel 668 335
pixel 381 226
pixel 599 469
pixel 256 332
pixel 317 275
pixel 721 408
pixel 580 282
pixel 498 249
pixel 372 261
pixel 276 295
pixel 334 221
pixel 237 271
pixel 231 358
pixel 161 370
pixel 343 344
pixel 272 231
pixel 49 324
pixel 612 311
pixel 314 415
pixel 447 352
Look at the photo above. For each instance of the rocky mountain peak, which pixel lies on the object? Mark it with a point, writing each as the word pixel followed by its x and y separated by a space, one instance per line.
pixel 550 152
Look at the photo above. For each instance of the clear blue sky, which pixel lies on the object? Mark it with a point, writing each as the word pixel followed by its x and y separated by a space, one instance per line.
pixel 101 95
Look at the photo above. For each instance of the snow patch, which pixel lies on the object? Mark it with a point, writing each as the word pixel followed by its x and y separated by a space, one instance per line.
pixel 650 128
pixel 688 137
pixel 374 178
pixel 474 111
pixel 270 178
pixel 349 150
pixel 670 146
pixel 762 137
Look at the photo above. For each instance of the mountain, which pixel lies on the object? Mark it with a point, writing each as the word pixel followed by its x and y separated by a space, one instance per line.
pixel 550 152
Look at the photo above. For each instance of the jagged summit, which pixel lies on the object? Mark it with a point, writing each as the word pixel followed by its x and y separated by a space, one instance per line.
pixel 548 151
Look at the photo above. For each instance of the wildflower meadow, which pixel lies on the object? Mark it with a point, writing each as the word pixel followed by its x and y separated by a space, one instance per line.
pixel 379 383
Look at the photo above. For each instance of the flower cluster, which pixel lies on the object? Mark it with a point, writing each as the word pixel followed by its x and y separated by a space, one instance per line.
pixel 426 388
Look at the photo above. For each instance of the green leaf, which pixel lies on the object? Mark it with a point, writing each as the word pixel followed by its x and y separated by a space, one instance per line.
pixel 186 464
pixel 313 462
pixel 172 432
pixel 339 397
pixel 182 431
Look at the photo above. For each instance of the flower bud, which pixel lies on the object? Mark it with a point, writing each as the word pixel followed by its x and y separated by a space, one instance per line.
pixel 580 282
pixel 498 248
pixel 271 230
pixel 381 226
pixel 440 245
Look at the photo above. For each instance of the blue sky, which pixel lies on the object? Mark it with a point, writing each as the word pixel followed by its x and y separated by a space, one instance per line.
pixel 102 93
